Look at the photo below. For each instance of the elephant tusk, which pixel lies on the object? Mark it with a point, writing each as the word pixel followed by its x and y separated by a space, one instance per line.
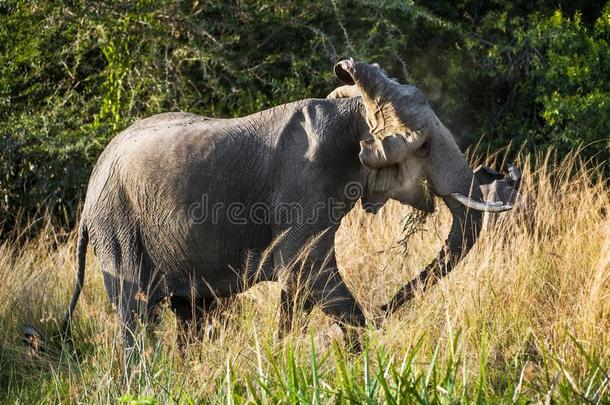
pixel 495 206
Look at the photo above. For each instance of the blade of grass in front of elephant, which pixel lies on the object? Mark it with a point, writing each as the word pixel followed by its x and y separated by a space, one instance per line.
pixel 314 373
pixel 382 373
pixel 259 367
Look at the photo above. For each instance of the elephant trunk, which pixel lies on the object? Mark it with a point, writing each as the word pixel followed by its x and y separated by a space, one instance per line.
pixel 464 231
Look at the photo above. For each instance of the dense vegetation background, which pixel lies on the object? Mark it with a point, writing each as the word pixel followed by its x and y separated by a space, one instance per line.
pixel 529 73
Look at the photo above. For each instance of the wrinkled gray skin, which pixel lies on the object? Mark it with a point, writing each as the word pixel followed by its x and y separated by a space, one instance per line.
pixel 148 210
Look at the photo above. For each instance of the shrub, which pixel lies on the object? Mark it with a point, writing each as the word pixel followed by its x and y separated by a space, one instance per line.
pixel 73 74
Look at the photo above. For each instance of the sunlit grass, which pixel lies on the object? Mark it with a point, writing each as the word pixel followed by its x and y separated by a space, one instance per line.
pixel 525 317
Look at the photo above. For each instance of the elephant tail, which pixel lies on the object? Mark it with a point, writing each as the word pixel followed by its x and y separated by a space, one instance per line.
pixel 81 255
pixel 31 335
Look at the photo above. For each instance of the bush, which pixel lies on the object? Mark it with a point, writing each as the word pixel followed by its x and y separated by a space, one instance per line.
pixel 73 74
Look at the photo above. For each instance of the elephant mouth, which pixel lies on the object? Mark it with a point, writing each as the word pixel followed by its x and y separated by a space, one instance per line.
pixel 423 199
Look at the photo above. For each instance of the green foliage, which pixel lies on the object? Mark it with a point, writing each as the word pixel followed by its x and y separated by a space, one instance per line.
pixel 575 89
pixel 530 74
pixel 73 74
pixel 303 376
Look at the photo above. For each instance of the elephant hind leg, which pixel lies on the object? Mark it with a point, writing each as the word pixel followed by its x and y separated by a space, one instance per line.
pixel 127 282
pixel 129 275
pixel 196 318
pixel 191 315
pixel 132 309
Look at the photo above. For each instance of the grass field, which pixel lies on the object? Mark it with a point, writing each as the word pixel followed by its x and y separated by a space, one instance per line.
pixel 524 318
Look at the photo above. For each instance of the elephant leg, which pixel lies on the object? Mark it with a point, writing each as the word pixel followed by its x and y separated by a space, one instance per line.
pixel 123 296
pixel 188 318
pixel 216 317
pixel 155 313
pixel 328 291
pixel 334 298
pixel 128 278
pixel 290 305
pixel 314 272
pixel 192 316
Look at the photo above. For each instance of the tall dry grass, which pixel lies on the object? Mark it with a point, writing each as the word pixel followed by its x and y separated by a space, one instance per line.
pixel 525 317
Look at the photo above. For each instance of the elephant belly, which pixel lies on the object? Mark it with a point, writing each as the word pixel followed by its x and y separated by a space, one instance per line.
pixel 169 254
pixel 212 259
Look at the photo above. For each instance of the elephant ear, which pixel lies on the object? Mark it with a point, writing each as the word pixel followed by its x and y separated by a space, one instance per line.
pixel 496 186
pixel 392 110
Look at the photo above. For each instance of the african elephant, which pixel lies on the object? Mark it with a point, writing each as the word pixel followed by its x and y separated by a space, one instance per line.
pixel 177 203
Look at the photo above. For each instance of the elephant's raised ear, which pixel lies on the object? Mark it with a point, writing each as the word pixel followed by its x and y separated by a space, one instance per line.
pixel 392 110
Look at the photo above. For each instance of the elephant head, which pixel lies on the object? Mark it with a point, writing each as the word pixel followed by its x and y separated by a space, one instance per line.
pixel 410 156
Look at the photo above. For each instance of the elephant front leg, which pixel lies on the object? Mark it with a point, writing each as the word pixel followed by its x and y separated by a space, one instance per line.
pixel 314 275
pixel 334 298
